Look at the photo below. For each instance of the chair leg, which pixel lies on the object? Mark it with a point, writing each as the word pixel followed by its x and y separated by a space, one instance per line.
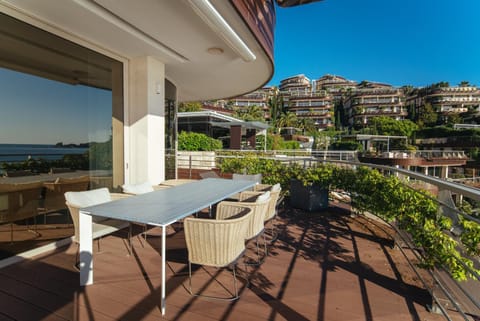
pixel 273 231
pixel 232 298
pixel 260 259
pixel 130 244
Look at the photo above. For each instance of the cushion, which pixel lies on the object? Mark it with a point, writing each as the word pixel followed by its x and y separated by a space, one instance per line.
pixel 137 188
pixel 263 197
pixel 88 198
pixel 276 188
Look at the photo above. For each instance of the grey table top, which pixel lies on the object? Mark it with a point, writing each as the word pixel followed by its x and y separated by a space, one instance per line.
pixel 165 206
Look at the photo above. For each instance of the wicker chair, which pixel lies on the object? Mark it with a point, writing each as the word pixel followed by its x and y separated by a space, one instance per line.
pixel 217 243
pixel 259 207
pixel 275 191
pixel 100 226
pixel 54 199
pixel 20 202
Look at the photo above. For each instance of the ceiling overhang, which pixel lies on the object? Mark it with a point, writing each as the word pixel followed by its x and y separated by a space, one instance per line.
pixel 208 50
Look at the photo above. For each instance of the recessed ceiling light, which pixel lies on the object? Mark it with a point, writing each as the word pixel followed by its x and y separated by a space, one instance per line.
pixel 215 51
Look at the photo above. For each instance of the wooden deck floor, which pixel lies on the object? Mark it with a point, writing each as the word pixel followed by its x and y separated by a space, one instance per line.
pixel 325 266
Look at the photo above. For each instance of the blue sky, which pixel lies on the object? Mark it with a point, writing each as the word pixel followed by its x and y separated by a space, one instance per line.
pixel 35 110
pixel 400 42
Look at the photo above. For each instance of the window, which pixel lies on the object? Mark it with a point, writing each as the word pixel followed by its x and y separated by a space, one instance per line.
pixel 61 129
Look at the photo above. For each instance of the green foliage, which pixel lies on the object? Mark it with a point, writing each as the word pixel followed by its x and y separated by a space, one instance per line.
pixel 427 116
pixel 346 145
pixel 191 141
pixel 273 171
pixel 386 197
pixel 41 165
pixel 291 144
pixel 470 236
pixel 383 125
pixel 275 142
pixel 250 113
pixel 100 155
pixel 188 107
pixel 444 131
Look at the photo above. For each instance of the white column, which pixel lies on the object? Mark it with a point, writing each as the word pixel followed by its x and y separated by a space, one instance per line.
pixel 146 153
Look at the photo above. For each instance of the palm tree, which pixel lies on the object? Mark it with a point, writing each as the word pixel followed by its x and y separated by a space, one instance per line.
pixel 287 119
pixel 307 125
pixel 251 113
pixel 275 105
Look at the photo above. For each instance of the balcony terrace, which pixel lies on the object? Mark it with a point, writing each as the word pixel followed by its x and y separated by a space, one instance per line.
pixel 324 266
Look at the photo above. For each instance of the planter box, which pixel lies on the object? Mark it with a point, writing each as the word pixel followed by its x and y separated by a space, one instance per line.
pixel 309 198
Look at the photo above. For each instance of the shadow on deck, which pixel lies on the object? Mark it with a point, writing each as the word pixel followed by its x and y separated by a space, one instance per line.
pixel 324 266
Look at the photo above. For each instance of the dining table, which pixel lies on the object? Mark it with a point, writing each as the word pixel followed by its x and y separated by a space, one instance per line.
pixel 158 208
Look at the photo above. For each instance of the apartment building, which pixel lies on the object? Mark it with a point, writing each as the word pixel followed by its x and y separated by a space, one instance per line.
pixel 372 99
pixel 338 87
pixel 258 98
pixel 300 96
pixel 446 101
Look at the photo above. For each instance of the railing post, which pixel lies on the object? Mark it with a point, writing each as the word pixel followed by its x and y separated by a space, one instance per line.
pixel 190 166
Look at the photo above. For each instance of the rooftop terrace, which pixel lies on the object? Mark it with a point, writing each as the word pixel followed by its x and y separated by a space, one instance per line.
pixel 324 266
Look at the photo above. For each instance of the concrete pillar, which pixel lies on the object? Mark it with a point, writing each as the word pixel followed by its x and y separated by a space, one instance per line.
pixel 425 170
pixel 146 123
pixel 251 137
pixel 235 137
pixel 444 172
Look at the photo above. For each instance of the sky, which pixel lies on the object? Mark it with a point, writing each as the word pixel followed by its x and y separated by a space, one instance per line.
pixel 399 42
pixel 50 111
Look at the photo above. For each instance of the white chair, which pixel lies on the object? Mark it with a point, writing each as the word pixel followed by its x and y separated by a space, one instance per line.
pixel 145 187
pixel 217 243
pixel 100 226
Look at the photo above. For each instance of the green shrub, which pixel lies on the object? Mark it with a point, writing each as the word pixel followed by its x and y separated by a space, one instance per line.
pixel 386 197
pixel 191 141
pixel 346 145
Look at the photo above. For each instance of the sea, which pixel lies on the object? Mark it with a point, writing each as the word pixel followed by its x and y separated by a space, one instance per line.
pixel 11 153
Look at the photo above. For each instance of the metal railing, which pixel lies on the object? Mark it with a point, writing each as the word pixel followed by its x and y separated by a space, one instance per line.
pixel 460 296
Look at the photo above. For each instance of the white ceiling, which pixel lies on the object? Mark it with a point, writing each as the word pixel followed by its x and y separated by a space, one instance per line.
pixel 167 29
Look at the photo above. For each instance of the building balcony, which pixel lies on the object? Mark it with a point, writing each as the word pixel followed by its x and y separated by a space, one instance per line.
pixel 381 112
pixel 359 104
pixel 452 110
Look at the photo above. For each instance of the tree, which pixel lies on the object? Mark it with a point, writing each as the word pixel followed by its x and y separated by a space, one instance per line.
pixel 383 125
pixel 427 116
pixel 251 113
pixel 307 125
pixel 287 120
pixel 275 105
pixel 191 106
pixel 464 83
pixel 441 84
pixel 453 119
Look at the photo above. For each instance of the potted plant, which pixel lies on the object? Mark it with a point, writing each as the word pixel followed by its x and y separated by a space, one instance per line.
pixel 309 187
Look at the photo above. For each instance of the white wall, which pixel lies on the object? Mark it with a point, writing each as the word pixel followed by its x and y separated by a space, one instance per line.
pixel 146 126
